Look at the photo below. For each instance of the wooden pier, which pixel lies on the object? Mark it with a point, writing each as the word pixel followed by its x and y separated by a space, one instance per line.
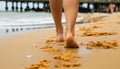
pixel 98 5
pixel 14 7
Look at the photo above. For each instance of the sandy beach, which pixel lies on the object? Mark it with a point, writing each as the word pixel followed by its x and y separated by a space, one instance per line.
pixel 21 50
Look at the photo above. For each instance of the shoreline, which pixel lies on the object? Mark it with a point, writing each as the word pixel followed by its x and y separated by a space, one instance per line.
pixel 15 26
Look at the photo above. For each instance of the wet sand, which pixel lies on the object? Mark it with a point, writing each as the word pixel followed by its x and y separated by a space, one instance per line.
pixel 22 50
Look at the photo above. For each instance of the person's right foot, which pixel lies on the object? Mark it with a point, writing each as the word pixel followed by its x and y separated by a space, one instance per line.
pixel 70 41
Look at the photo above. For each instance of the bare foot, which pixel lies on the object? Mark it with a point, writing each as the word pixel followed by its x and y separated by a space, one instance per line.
pixel 59 39
pixel 70 42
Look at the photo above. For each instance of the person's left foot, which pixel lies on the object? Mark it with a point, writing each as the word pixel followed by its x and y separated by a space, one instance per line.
pixel 60 39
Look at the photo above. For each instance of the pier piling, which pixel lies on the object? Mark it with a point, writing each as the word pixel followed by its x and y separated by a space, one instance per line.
pixel 16 5
pixel 12 6
pixel 6 5
pixel 21 8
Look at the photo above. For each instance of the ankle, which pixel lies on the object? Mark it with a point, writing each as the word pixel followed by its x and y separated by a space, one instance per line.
pixel 59 31
pixel 69 32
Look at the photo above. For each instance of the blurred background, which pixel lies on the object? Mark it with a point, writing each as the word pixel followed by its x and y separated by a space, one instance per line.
pixel 17 16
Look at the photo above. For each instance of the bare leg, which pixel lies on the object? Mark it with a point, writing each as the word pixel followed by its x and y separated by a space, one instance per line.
pixel 56 9
pixel 71 10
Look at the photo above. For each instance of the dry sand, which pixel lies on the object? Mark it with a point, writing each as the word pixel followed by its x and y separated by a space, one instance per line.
pixel 20 51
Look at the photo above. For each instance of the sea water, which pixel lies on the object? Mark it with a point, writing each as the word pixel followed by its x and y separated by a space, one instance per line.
pixel 16 21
